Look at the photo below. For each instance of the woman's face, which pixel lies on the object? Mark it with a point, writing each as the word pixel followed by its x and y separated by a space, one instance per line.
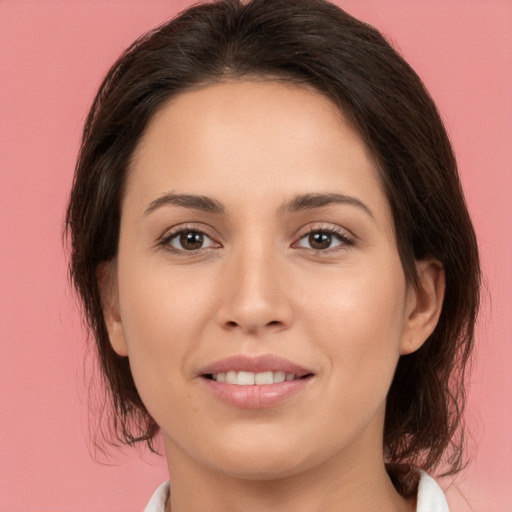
pixel 257 244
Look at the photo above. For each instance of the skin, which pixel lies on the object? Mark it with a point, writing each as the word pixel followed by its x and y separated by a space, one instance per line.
pixel 257 286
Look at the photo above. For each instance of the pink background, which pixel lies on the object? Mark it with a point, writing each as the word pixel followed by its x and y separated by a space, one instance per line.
pixel 52 57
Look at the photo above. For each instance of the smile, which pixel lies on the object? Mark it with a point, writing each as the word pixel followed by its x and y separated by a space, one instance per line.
pixel 251 378
pixel 246 382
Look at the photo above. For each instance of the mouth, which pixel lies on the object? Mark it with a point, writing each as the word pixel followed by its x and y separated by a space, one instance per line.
pixel 245 378
pixel 255 382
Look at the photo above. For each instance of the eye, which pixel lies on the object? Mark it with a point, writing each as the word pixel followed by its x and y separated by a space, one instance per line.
pixel 189 240
pixel 323 240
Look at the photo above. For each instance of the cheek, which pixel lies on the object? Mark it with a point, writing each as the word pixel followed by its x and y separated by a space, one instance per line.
pixel 358 323
pixel 163 317
pixel 160 307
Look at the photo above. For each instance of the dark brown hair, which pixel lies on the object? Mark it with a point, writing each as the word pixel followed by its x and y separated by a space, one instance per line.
pixel 315 43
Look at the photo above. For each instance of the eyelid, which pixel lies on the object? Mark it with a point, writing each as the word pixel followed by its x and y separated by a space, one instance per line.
pixel 345 237
pixel 165 239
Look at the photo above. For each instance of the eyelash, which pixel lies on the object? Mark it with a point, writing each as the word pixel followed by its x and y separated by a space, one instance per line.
pixel 341 235
pixel 166 240
pixel 343 238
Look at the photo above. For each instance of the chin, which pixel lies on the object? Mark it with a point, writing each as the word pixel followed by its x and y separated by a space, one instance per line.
pixel 270 468
pixel 264 460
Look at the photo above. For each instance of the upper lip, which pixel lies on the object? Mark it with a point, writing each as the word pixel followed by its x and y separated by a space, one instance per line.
pixel 254 364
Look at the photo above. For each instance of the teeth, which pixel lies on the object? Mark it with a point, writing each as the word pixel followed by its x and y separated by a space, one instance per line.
pixel 264 378
pixel 250 378
pixel 245 379
pixel 279 376
pixel 231 377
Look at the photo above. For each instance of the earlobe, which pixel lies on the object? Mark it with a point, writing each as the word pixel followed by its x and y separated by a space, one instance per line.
pixel 107 282
pixel 424 305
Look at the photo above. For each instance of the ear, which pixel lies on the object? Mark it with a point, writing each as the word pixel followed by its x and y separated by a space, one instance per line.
pixel 424 305
pixel 106 273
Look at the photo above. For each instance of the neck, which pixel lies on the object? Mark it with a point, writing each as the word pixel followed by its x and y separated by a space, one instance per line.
pixel 330 487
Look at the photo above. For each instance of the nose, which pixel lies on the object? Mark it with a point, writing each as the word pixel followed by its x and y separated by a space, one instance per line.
pixel 255 296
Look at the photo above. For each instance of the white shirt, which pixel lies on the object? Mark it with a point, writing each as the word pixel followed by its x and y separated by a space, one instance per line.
pixel 430 497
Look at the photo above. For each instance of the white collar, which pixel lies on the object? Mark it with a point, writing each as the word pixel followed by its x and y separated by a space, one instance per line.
pixel 430 496
pixel 157 501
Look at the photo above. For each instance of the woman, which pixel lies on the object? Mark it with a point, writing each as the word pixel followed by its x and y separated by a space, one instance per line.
pixel 274 254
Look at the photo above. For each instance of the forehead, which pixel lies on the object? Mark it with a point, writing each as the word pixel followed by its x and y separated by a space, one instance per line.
pixel 262 110
pixel 251 141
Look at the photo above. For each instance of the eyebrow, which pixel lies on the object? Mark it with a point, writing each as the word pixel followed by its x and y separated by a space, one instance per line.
pixel 298 203
pixel 318 200
pixel 203 203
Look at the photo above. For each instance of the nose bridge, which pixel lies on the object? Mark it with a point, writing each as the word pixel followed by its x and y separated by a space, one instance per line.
pixel 254 297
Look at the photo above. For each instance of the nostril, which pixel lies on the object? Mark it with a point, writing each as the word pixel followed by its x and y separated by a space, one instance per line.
pixel 252 327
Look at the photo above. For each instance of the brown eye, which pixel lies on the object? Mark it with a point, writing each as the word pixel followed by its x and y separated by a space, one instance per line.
pixel 320 240
pixel 323 240
pixel 190 240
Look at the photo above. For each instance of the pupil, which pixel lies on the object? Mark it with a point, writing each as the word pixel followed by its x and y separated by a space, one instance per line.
pixel 191 240
pixel 320 240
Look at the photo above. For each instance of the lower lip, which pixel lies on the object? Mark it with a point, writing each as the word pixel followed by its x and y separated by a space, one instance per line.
pixel 256 396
